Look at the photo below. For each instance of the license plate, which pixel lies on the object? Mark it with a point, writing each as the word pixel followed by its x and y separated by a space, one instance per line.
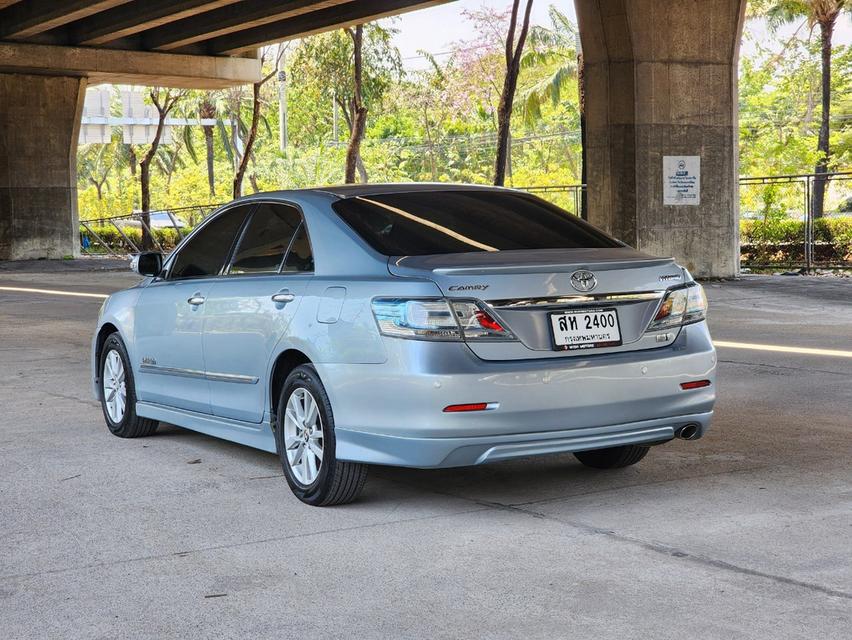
pixel 585 329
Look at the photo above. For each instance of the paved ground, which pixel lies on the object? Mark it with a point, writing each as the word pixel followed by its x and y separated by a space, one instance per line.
pixel 745 534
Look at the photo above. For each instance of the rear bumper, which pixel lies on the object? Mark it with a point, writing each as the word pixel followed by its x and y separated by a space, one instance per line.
pixel 392 413
pixel 427 453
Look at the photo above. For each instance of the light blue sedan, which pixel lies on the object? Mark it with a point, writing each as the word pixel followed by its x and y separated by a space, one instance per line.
pixel 411 325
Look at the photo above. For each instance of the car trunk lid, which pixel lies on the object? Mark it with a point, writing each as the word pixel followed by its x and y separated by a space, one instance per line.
pixel 524 288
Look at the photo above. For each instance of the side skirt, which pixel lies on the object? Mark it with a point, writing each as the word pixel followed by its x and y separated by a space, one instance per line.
pixel 250 434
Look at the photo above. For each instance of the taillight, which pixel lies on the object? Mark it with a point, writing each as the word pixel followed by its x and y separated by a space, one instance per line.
pixel 679 307
pixel 437 319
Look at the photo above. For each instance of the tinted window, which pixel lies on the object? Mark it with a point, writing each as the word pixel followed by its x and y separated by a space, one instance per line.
pixel 265 239
pixel 206 252
pixel 429 222
pixel 300 258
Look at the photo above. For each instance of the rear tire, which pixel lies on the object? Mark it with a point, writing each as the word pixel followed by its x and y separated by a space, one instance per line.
pixel 612 458
pixel 118 392
pixel 304 437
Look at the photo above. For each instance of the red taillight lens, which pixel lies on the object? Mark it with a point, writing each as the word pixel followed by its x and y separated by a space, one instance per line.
pixel 694 384
pixel 477 322
pixel 487 321
pixel 473 406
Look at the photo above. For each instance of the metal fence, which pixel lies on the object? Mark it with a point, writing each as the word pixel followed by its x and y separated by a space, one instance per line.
pixel 777 225
pixel 778 228
pixel 123 235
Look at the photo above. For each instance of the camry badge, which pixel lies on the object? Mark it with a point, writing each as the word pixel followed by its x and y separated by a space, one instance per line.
pixel 583 280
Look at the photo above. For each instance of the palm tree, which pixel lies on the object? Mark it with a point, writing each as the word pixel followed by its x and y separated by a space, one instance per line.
pixel 817 12
pixel 554 51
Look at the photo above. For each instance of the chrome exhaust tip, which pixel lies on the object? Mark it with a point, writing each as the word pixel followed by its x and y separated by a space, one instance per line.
pixel 689 431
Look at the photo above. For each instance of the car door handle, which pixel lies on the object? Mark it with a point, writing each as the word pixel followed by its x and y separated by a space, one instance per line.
pixel 283 297
pixel 196 300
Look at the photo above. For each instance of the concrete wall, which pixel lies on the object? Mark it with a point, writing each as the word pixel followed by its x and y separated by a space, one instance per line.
pixel 39 126
pixel 661 79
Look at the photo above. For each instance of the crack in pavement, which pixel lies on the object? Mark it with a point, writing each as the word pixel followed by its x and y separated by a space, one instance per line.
pixel 655 547
pixel 781 366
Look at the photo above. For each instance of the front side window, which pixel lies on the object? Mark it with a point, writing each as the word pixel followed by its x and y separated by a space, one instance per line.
pixel 461 221
pixel 206 252
pixel 266 238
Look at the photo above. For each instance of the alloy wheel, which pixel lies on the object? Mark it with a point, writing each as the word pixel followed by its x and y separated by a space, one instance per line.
pixel 115 387
pixel 303 438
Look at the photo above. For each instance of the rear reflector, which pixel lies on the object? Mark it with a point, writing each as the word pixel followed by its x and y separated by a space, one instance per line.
pixel 695 384
pixel 475 406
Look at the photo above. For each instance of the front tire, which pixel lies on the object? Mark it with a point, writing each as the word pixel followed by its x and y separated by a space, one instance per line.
pixel 304 436
pixel 612 458
pixel 118 392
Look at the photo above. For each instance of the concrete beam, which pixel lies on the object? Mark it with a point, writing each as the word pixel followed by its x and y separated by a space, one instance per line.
pixel 336 17
pixel 246 15
pixel 39 126
pixel 148 68
pixel 31 17
pixel 133 18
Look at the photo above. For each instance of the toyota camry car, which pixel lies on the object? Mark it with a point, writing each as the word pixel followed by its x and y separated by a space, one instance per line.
pixel 413 325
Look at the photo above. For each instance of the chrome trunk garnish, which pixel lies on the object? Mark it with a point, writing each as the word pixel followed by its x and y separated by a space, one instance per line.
pixel 579 300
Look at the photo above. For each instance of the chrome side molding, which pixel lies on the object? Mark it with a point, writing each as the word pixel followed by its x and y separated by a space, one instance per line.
pixel 146 367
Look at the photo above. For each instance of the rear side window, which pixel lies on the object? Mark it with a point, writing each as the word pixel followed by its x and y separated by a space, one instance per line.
pixel 206 251
pixel 462 221
pixel 266 238
pixel 300 258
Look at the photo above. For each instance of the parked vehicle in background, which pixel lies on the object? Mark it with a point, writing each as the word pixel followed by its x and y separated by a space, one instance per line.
pixel 412 325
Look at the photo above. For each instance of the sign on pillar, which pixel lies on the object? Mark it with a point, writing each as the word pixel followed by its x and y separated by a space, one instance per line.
pixel 681 180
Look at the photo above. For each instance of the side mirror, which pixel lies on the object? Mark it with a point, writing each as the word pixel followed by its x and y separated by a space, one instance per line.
pixel 149 263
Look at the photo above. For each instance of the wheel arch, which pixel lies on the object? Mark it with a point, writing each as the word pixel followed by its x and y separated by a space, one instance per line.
pixel 284 363
pixel 104 332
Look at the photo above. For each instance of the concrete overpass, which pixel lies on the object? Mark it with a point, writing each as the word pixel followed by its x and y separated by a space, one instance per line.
pixel 660 78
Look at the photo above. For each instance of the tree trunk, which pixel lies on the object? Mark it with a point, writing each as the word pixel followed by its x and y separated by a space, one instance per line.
pixel 817 208
pixel 145 184
pixel 163 110
pixel 359 111
pixel 207 111
pixel 252 134
pixel 362 169
pixel 208 141
pixel 510 84
pixel 504 121
pixel 131 154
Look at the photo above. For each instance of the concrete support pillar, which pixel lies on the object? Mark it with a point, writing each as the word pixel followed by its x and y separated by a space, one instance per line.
pixel 661 80
pixel 39 127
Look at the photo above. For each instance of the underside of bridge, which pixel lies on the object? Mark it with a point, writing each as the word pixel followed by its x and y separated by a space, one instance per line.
pixel 661 83
pixel 51 51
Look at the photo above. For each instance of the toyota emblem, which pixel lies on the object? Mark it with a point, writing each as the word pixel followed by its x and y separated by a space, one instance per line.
pixel 583 280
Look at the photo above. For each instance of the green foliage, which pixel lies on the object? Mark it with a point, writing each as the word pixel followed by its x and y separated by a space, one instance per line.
pixel 782 240
pixel 437 123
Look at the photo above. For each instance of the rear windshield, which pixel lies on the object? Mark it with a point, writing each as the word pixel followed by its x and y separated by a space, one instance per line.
pixel 428 222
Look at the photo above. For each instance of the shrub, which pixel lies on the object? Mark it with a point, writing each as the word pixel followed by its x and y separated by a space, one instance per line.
pixel 782 241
